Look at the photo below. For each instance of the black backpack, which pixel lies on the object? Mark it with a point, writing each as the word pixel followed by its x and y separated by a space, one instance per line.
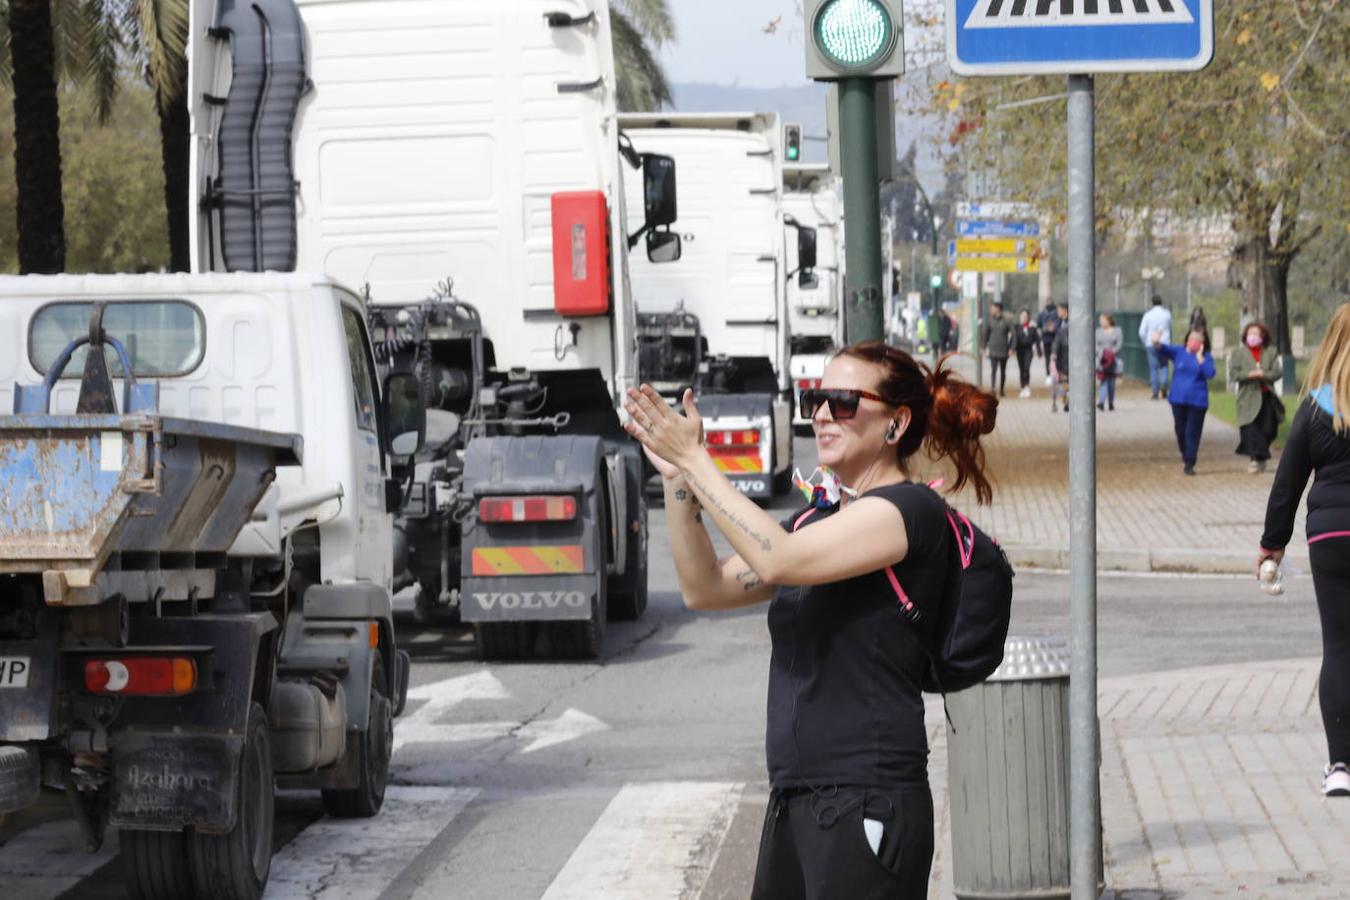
pixel 973 622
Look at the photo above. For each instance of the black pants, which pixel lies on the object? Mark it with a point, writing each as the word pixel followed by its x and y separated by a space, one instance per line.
pixel 1190 425
pixel 1045 345
pixel 1024 365
pixel 998 374
pixel 1330 558
pixel 816 847
pixel 1255 437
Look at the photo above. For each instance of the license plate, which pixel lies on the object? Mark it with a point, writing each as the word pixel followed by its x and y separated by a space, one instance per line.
pixel 14 671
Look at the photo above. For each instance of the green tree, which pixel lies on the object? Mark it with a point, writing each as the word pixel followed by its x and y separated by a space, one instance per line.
pixel 1257 139
pixel 638 28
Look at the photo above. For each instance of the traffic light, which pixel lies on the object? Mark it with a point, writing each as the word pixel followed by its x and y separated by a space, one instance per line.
pixel 854 38
pixel 792 143
pixel 935 281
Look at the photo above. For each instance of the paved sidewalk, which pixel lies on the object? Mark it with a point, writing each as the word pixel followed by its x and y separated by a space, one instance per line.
pixel 1150 517
pixel 1210 787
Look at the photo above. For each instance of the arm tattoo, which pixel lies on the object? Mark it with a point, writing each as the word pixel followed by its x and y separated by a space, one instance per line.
pixel 681 494
pixel 749 580
pixel 718 506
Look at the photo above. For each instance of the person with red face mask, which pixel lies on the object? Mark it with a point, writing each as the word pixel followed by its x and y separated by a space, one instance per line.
pixel 1255 367
pixel 1192 368
pixel 850 814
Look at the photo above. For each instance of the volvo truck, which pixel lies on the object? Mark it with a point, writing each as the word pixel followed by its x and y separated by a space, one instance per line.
pixel 716 320
pixel 459 163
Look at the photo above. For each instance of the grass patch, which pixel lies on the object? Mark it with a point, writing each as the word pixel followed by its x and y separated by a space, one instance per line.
pixel 1223 405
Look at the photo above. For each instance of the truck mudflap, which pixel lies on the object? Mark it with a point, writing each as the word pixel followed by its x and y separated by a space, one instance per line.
pixel 165 782
pixel 28 674
pixel 549 566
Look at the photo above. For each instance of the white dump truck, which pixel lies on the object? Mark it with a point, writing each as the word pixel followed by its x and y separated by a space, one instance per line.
pixel 717 319
pixel 195 554
pixel 459 162
pixel 812 199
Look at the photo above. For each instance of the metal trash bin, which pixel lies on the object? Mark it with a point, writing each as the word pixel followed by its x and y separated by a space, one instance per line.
pixel 1008 771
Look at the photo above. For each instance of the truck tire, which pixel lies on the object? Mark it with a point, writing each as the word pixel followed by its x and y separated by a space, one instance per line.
pixel 19 778
pixel 504 640
pixel 579 640
pixel 155 864
pixel 627 599
pixel 235 865
pixel 372 761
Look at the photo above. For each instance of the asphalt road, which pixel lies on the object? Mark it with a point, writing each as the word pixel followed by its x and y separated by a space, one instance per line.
pixel 526 780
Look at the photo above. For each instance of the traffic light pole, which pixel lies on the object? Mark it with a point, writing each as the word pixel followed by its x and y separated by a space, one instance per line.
pixel 863 308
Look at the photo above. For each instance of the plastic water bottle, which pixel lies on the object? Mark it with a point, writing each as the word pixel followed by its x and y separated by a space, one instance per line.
pixel 1272 578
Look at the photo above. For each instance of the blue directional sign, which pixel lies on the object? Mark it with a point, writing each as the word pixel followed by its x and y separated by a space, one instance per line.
pixel 1078 37
pixel 951 253
pixel 985 228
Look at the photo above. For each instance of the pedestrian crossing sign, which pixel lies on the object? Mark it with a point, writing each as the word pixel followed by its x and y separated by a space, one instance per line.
pixel 1078 37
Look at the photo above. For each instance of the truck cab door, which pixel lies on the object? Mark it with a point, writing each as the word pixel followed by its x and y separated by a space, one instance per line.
pixel 373 551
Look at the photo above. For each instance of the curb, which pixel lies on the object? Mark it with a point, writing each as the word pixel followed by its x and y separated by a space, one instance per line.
pixel 1173 560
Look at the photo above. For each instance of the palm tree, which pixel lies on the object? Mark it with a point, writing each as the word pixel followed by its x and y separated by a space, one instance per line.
pixel 638 27
pixel 37 137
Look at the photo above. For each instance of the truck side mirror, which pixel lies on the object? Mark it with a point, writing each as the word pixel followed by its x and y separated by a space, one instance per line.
pixel 808 281
pixel 658 181
pixel 405 414
pixel 663 246
pixel 806 249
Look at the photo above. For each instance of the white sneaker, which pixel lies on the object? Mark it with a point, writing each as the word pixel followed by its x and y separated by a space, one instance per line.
pixel 1336 781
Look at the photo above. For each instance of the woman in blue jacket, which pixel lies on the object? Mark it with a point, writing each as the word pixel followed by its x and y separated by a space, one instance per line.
pixel 1193 367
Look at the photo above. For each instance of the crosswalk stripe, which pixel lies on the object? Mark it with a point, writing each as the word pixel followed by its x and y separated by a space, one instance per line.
pixel 653 841
pixel 356 859
pixel 46 861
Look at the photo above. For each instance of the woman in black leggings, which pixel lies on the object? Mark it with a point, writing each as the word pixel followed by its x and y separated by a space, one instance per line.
pixel 1319 442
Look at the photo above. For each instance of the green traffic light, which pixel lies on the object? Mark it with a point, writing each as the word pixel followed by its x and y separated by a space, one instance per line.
pixel 854 33
pixel 935 281
pixel 792 154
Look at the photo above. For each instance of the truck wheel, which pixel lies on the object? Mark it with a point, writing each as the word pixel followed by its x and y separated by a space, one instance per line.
pixel 20 782
pixel 504 640
pixel 579 640
pixel 235 865
pixel 155 864
pixel 627 599
pixel 372 761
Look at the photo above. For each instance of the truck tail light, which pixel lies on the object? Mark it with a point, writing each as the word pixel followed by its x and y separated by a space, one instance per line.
pixel 746 437
pixel 145 676
pixel 581 282
pixel 527 509
pixel 808 384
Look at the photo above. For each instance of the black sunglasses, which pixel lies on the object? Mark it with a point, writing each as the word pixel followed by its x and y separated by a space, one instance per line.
pixel 843 402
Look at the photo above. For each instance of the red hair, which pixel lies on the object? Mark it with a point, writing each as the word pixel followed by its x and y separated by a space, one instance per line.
pixel 947 414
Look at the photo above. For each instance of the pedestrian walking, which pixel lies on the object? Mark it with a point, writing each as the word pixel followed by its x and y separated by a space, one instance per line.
pixel 1047 320
pixel 1108 342
pixel 1319 442
pixel 1158 318
pixel 1028 343
pixel 850 813
pixel 1255 366
pixel 1192 368
pixel 1059 365
pixel 998 336
pixel 944 331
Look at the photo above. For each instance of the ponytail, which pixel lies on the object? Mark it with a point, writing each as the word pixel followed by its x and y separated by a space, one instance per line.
pixel 960 416
pixel 947 414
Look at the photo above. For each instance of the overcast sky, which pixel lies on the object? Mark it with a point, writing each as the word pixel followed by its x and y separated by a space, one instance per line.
pixel 724 42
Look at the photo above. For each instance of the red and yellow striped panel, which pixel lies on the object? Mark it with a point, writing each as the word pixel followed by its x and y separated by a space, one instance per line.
pixel 533 560
pixel 734 465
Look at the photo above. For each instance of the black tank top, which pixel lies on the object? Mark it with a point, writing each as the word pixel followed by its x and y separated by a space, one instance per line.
pixel 845 706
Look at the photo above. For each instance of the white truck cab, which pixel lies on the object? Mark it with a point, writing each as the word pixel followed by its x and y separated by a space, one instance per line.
pixel 812 198
pixel 717 319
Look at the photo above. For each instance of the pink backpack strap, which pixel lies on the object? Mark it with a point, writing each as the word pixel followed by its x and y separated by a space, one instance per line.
pixel 901 597
pixel 803 517
pixel 965 544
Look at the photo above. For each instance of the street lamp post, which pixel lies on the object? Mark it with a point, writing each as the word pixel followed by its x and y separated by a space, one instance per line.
pixel 858 43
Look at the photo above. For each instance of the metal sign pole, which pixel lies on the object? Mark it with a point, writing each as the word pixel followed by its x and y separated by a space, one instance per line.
pixel 862 209
pixel 1084 764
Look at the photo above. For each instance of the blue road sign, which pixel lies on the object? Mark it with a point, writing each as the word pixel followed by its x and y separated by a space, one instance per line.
pixel 951 253
pixel 1078 37
pixel 985 228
